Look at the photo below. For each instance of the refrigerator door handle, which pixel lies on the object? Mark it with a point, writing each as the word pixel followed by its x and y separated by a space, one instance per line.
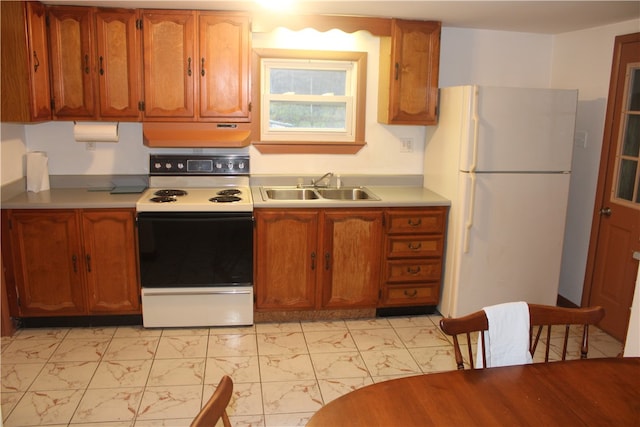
pixel 471 205
pixel 472 170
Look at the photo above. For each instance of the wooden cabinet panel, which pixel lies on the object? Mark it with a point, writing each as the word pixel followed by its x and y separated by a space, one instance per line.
pixel 224 66
pixel 409 64
pixel 47 256
pixel 72 61
pixel 118 63
pixel 170 64
pixel 26 90
pixel 110 257
pixel 410 295
pixel 410 270
pixel 286 258
pixel 414 246
pixel 68 262
pixel 351 258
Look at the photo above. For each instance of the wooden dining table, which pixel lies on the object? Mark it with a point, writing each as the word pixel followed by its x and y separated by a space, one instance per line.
pixel 599 392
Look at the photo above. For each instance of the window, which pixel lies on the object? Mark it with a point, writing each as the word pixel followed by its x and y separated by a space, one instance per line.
pixel 310 101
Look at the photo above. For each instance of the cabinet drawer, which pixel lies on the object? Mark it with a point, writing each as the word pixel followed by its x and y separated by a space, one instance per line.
pixel 425 294
pixel 418 270
pixel 414 246
pixel 416 221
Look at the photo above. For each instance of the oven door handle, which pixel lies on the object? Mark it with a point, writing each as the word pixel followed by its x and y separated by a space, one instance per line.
pixel 148 292
pixel 195 218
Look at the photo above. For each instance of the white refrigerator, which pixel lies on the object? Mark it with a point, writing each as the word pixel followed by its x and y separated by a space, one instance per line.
pixel 503 158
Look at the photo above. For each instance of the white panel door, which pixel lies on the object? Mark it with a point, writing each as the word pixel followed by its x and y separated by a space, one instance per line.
pixel 514 241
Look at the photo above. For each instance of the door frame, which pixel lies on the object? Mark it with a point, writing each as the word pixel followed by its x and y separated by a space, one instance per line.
pixel 608 149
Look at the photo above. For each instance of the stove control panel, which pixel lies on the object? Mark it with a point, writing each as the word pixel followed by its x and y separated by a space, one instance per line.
pixel 198 165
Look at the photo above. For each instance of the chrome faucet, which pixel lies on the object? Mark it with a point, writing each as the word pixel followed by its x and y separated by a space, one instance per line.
pixel 317 182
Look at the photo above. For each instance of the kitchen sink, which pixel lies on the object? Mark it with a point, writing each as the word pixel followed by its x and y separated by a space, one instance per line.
pixel 290 193
pixel 347 193
pixel 331 193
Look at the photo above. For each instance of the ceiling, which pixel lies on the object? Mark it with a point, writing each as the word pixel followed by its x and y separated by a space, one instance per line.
pixel 547 17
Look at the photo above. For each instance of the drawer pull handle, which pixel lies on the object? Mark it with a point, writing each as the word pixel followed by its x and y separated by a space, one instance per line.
pixel 414 223
pixel 189 66
pixel 74 259
pixel 413 270
pixel 202 72
pixel 313 260
pixel 86 64
pixel 89 263
pixel 414 246
pixel 327 256
pixel 411 294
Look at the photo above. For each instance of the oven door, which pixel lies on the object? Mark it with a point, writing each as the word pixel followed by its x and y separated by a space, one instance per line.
pixel 195 249
pixel 196 269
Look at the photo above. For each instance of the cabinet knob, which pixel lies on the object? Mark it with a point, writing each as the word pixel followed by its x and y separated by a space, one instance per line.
pixel 411 294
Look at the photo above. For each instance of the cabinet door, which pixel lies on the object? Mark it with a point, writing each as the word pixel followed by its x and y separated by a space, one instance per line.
pixel 118 58
pixel 415 59
pixel 47 262
pixel 110 261
pixel 39 61
pixel 351 258
pixel 26 92
pixel 170 66
pixel 72 62
pixel 224 62
pixel 286 259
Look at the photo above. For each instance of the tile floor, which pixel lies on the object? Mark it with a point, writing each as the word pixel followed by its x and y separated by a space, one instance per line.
pixel 282 373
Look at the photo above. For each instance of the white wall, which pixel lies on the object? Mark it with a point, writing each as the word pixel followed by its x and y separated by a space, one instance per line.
pixel 12 152
pixel 582 59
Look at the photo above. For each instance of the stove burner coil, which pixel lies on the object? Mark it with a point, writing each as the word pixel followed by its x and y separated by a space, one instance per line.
pixel 170 192
pixel 225 199
pixel 164 199
pixel 228 192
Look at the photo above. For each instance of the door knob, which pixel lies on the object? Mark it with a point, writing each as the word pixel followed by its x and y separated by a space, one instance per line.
pixel 605 211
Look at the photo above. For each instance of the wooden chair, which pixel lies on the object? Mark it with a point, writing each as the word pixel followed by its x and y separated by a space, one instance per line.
pixel 540 317
pixel 216 406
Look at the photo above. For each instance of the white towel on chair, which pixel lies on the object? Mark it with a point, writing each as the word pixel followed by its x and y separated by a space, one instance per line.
pixel 507 340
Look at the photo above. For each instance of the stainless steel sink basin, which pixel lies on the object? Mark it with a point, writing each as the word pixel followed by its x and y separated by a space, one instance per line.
pixel 331 193
pixel 347 193
pixel 290 193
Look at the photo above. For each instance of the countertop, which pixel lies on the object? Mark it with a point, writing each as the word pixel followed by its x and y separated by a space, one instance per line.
pixel 82 192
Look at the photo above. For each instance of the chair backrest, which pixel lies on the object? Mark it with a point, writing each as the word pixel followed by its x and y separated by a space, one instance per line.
pixel 541 317
pixel 216 406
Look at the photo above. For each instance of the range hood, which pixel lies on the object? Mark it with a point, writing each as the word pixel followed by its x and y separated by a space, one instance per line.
pixel 196 135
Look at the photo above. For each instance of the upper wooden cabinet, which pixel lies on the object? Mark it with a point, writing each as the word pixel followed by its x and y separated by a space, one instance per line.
pixel 196 66
pixel 94 63
pixel 169 63
pixel 409 65
pixel 26 95
pixel 119 70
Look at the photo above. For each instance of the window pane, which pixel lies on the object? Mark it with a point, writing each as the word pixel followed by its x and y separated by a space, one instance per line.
pixel 631 144
pixel 626 179
pixel 307 82
pixel 634 95
pixel 307 115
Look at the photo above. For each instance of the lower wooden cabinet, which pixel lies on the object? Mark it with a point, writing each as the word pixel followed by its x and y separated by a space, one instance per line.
pixel 413 255
pixel 317 259
pixel 71 262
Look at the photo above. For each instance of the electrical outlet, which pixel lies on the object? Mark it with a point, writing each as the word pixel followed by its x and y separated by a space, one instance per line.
pixel 406 145
pixel 91 146
pixel 580 139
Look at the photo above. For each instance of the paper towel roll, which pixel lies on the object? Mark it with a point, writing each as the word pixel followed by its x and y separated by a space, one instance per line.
pixel 96 132
pixel 37 171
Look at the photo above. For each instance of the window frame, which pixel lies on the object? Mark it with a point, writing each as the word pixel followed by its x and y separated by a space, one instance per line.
pixel 301 145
